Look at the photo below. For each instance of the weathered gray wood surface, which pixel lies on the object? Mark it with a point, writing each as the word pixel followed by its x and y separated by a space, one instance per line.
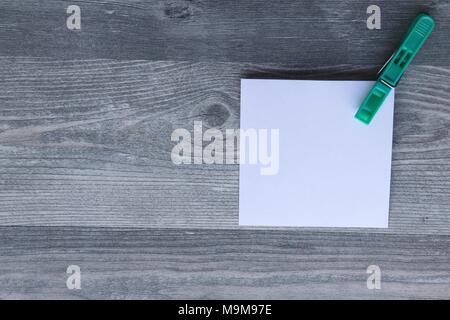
pixel 85 124
pixel 171 263
pixel 87 143
pixel 298 33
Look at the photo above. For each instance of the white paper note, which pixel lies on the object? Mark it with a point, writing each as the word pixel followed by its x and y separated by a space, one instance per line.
pixel 333 170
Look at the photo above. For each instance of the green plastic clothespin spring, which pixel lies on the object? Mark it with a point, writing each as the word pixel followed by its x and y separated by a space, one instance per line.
pixel 390 74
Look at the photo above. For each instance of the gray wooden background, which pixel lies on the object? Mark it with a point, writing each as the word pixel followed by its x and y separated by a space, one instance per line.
pixel 85 170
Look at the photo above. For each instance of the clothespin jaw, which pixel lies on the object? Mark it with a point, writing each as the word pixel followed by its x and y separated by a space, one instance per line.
pixel 373 102
pixel 389 76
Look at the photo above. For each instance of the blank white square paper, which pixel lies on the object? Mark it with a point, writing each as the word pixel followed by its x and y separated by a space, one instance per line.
pixel 334 171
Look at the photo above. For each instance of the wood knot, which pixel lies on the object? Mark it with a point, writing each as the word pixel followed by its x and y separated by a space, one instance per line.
pixel 216 111
pixel 178 10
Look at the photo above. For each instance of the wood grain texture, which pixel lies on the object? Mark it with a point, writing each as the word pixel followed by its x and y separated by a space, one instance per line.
pixel 302 33
pixel 85 125
pixel 87 143
pixel 218 264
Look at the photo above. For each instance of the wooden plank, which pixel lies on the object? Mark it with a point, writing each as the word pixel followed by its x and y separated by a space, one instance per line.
pixel 217 264
pixel 305 34
pixel 87 143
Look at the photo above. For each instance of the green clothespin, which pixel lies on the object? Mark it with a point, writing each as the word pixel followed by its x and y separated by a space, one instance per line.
pixel 392 71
